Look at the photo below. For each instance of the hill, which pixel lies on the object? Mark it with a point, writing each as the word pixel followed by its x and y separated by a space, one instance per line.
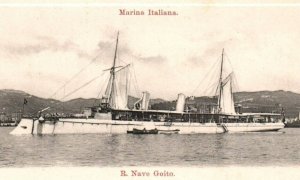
pixel 11 101
pixel 260 101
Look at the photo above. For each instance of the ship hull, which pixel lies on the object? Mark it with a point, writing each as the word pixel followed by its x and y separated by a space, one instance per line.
pixel 86 126
pixel 253 127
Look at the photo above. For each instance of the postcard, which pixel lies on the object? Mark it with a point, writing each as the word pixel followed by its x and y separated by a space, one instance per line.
pixel 149 90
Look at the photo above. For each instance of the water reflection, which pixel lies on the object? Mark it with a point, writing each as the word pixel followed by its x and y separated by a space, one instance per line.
pixel 246 149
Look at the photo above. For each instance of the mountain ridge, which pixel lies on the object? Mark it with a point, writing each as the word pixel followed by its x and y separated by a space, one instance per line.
pixel 11 101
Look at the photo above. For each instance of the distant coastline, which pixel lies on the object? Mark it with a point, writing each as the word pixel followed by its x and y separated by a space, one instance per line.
pixel 11 102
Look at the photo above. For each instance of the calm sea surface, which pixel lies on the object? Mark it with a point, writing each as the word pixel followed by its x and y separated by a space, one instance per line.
pixel 244 149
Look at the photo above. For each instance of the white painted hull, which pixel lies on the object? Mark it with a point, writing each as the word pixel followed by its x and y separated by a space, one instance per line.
pixel 85 126
pixel 253 127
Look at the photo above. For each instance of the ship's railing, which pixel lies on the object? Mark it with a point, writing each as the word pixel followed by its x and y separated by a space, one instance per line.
pixel 128 115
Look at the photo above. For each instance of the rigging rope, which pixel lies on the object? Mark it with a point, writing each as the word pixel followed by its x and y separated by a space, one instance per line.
pixel 136 85
pixel 234 79
pixel 65 96
pixel 77 74
pixel 100 92
pixel 82 86
pixel 132 73
pixel 208 91
pixel 206 75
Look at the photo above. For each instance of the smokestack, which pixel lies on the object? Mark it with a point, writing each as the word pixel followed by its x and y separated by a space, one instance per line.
pixel 180 103
pixel 145 100
pixel 143 103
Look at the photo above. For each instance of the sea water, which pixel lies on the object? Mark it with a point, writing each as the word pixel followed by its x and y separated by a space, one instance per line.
pixel 280 148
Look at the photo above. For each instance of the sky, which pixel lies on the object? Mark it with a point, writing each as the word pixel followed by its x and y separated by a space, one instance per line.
pixel 42 48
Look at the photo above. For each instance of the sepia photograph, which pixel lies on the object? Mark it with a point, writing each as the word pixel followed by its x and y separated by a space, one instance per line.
pixel 149 90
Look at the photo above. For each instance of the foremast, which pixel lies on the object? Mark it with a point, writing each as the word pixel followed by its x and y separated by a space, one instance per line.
pixel 112 86
pixel 116 93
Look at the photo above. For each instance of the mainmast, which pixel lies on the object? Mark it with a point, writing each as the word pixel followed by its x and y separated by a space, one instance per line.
pixel 220 81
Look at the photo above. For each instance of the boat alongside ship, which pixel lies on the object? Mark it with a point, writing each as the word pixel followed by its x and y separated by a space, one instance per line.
pixel 112 115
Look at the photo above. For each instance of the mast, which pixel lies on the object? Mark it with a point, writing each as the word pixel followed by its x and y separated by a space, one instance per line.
pixel 113 71
pixel 220 81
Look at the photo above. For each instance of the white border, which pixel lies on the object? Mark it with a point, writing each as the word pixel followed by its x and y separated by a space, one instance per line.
pixel 99 5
